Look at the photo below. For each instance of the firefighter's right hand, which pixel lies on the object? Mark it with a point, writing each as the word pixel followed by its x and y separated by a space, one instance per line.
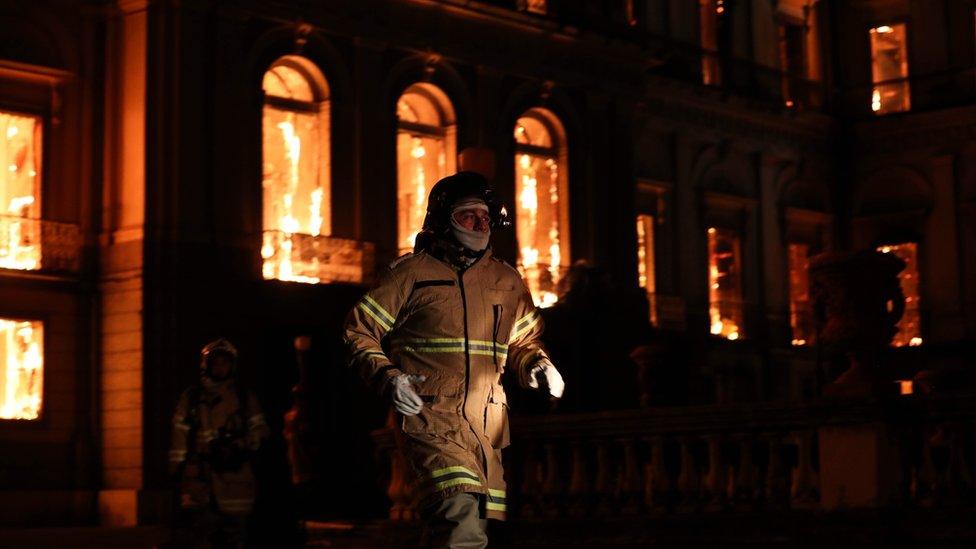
pixel 404 396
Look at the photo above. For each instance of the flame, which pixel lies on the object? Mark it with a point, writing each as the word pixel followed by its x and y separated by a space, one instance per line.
pixel 721 324
pixel 417 211
pixel 19 191
pixel 641 255
pixel 23 364
pixel 540 257
pixel 909 331
pixel 315 213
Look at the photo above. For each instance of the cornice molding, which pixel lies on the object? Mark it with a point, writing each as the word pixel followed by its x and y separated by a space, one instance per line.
pixel 712 113
pixel 945 129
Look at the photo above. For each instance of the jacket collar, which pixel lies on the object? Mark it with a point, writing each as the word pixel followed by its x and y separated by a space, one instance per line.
pixel 454 255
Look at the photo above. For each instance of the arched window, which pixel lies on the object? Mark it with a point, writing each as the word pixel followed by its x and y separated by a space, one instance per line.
pixel 20 191
pixel 426 152
pixel 296 175
pixel 541 196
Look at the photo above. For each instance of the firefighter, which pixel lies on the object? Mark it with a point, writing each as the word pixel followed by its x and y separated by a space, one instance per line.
pixel 217 428
pixel 433 338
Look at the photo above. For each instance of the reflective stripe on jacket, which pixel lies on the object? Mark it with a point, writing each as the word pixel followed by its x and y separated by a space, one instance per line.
pixel 460 330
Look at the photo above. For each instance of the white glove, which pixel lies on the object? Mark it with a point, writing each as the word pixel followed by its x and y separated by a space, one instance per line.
pixel 547 371
pixel 404 397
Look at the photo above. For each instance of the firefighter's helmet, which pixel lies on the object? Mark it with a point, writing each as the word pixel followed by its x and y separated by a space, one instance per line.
pixel 217 347
pixel 449 191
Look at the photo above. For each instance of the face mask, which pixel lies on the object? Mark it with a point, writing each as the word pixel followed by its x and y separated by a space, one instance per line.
pixel 475 241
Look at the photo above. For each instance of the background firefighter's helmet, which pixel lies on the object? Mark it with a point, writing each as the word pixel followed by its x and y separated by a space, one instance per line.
pixel 447 192
pixel 217 347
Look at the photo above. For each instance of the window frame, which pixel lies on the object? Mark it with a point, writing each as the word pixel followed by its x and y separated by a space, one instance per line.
pixel 559 150
pixel 42 421
pixel 908 64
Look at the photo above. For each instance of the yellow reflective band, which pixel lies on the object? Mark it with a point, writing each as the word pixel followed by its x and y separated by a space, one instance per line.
pixel 455 482
pixel 389 318
pixel 433 349
pixel 181 426
pixel 523 325
pixel 454 469
pixel 496 493
pixel 380 321
pixel 489 352
pixel 451 345
pixel 496 506
pixel 375 310
pixel 489 343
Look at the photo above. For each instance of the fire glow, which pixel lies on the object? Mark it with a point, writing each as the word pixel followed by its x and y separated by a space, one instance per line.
pixel 20 152
pixel 645 262
pixel 21 353
pixel 539 208
pixel 296 244
pixel 909 327
pixel 724 293
pixel 425 154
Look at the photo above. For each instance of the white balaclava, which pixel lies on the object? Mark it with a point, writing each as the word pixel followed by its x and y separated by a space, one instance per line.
pixel 475 241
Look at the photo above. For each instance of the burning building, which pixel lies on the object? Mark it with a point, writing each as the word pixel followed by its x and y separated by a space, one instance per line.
pixel 175 171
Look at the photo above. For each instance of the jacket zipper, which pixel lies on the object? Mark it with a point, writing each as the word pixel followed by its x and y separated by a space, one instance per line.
pixel 467 374
pixel 496 310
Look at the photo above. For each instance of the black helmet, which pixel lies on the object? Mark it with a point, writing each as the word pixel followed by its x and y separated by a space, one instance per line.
pixel 453 188
pixel 216 347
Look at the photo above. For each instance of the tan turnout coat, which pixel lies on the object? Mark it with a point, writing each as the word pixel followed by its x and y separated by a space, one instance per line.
pixel 217 406
pixel 460 330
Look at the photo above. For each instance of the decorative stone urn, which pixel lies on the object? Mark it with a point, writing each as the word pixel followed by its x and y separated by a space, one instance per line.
pixel 857 302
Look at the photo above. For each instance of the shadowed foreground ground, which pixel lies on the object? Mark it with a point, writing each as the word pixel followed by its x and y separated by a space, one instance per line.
pixel 944 529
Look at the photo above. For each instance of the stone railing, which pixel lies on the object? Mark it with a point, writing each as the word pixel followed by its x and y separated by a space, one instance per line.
pixel 904 452
pixel 307 258
pixel 39 245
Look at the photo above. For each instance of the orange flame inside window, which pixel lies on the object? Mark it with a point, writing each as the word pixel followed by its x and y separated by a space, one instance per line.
pixel 724 284
pixel 22 364
pixel 20 204
pixel 540 229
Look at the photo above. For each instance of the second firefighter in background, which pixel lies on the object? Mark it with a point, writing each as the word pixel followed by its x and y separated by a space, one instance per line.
pixel 433 337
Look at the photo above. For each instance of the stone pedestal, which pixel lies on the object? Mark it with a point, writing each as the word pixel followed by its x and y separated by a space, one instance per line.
pixel 858 467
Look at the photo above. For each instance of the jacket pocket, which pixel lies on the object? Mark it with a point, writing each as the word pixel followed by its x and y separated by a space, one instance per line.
pixel 496 419
pixel 502 300
pixel 439 415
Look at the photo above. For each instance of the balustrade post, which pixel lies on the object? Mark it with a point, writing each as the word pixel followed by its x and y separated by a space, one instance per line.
pixel 529 496
pixel 578 482
pixel 603 485
pixel 745 489
pixel 400 489
pixel 926 482
pixel 804 487
pixel 689 484
pixel 716 481
pixel 551 486
pixel 959 478
pixel 777 487
pixel 628 486
pixel 657 486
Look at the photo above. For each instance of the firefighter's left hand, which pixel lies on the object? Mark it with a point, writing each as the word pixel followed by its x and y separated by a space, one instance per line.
pixel 554 381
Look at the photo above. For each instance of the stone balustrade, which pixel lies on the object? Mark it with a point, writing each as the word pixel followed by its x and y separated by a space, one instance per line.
pixel 744 458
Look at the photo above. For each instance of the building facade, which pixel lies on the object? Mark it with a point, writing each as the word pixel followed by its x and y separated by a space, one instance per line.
pixel 179 171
